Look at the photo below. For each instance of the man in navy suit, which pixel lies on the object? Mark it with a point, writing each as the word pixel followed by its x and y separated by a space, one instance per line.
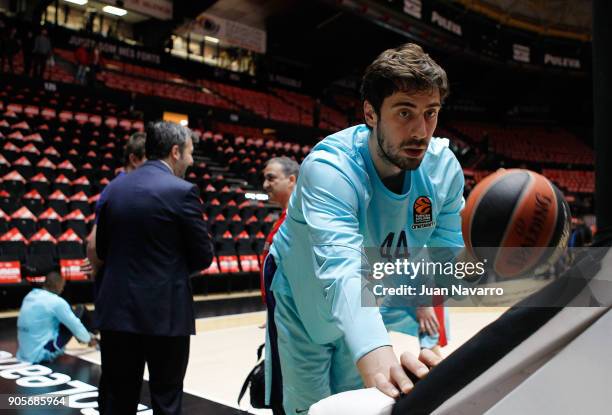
pixel 151 236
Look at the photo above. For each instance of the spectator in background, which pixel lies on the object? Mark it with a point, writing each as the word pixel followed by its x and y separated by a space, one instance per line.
pixel 41 53
pixel 82 59
pixel 95 64
pixel 280 176
pixel 10 48
pixel 316 113
pixel 88 19
pixel 133 97
pixel 581 235
pixel 152 237
pixel 27 45
pixel 46 323
pixel 133 157
pixel 4 34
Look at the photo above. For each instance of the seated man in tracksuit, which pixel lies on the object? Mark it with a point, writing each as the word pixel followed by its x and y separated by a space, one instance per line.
pixel 46 322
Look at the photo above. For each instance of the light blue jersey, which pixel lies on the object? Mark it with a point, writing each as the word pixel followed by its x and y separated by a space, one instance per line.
pixel 39 320
pixel 340 206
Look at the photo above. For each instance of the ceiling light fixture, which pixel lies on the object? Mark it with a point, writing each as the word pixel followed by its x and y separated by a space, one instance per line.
pixel 114 10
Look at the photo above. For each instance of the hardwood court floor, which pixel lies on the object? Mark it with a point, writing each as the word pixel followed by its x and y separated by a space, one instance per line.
pixel 222 354
pixel 224 350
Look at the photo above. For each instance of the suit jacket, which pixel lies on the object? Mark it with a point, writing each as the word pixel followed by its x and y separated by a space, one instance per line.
pixel 151 236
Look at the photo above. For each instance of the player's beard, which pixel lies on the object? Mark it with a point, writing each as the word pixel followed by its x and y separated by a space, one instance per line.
pixel 392 155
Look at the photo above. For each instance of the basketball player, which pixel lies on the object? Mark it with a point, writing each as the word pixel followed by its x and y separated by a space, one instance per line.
pixel 46 322
pixel 357 189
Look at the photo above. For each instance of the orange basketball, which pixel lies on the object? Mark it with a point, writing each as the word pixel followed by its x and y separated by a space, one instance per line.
pixel 517 220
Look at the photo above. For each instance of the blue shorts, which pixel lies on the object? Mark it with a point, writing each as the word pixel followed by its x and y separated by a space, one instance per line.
pixel 310 371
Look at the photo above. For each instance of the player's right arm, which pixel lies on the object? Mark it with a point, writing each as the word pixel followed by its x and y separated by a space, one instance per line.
pixel 330 206
pixel 66 316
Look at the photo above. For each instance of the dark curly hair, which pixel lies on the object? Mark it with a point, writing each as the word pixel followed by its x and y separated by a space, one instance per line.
pixel 405 68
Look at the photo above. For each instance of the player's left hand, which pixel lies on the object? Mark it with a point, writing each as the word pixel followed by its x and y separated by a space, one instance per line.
pixel 93 342
pixel 429 358
pixel 403 376
pixel 428 322
pixel 418 368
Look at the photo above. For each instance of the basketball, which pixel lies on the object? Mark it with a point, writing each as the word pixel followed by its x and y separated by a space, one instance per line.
pixel 516 220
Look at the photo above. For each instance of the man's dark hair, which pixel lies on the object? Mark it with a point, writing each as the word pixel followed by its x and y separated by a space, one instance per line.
pixel 289 166
pixel 162 136
pixel 136 146
pixel 53 280
pixel 406 68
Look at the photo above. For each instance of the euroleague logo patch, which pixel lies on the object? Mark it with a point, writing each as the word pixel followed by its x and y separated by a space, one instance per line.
pixel 422 213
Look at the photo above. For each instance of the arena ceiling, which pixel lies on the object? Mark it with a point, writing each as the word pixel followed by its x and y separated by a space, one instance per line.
pixel 331 42
pixel 570 16
pixel 249 12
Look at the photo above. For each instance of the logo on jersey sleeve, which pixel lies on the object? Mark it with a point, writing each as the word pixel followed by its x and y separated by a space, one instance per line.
pixel 422 213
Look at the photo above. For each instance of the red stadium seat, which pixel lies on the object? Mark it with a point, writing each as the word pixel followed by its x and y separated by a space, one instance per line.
pixel 42 243
pixel 63 184
pixel 59 202
pixel 51 221
pixel 13 245
pixel 33 201
pixel 77 222
pixel 25 221
pixel 14 183
pixel 24 167
pixel 70 245
pixel 80 201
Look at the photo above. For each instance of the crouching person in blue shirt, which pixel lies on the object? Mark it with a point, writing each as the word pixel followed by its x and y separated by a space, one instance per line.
pixel 46 322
